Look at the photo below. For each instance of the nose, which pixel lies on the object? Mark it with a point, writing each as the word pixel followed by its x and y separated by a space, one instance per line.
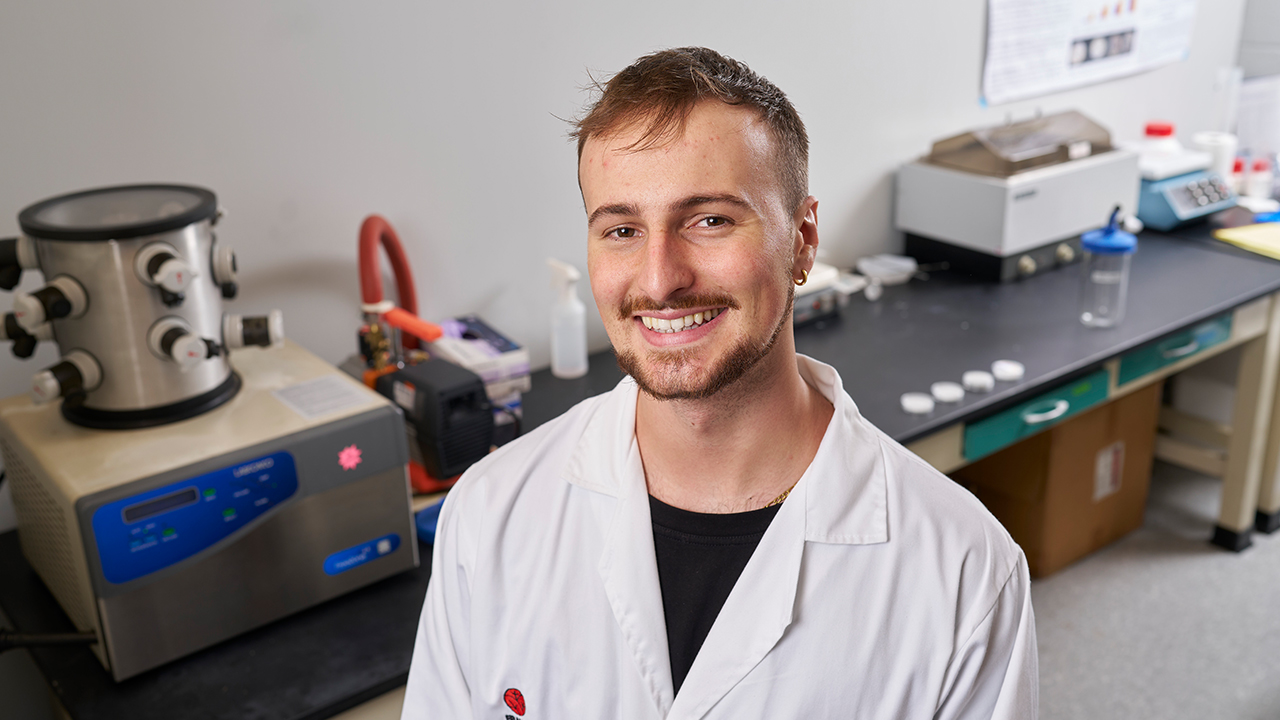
pixel 666 269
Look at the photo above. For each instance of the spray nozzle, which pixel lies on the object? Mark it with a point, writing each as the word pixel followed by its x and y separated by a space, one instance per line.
pixel 564 277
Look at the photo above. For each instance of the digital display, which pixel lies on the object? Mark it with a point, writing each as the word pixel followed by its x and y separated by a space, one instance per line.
pixel 157 528
pixel 161 504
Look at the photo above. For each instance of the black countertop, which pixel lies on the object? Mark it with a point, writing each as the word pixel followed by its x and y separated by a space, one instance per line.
pixel 310 665
pixel 936 329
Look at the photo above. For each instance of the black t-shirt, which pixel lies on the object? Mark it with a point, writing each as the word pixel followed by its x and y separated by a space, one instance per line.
pixel 700 557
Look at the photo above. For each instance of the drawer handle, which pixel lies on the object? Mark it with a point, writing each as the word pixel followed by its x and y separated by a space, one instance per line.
pixel 1060 408
pixel 1183 351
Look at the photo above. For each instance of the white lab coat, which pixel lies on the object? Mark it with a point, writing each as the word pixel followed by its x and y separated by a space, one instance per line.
pixel 880 590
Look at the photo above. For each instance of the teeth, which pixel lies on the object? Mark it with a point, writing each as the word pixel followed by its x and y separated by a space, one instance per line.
pixel 678 324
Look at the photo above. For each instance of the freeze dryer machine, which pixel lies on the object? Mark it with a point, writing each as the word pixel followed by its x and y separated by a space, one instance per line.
pixel 183 474
pixel 168 539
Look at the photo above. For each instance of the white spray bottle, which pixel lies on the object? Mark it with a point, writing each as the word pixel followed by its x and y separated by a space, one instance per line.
pixel 568 323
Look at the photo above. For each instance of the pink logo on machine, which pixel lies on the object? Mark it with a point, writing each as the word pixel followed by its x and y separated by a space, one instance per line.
pixel 349 457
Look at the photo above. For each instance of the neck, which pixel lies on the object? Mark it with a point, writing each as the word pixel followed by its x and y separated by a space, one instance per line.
pixel 739 449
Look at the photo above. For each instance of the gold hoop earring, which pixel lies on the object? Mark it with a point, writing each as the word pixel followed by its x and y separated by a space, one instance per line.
pixel 804 278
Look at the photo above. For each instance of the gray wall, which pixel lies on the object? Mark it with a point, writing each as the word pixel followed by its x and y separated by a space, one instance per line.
pixel 1260 38
pixel 306 115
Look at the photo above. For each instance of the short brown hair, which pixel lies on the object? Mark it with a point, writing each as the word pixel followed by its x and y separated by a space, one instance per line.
pixel 662 88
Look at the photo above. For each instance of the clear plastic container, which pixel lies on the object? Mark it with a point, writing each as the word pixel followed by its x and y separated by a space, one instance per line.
pixel 1107 253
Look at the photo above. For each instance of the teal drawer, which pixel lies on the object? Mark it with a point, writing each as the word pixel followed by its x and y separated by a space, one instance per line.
pixel 1170 350
pixel 998 431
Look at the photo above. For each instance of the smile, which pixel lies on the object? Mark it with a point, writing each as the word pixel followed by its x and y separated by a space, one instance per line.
pixel 679 324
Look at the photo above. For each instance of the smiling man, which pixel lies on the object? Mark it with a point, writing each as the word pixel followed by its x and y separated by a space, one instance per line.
pixel 722 535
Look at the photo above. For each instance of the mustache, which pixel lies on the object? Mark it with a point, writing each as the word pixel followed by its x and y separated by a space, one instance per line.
pixel 635 304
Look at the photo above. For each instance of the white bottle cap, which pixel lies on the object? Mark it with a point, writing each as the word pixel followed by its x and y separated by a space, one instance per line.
pixel 28 311
pixel 275 328
pixel 45 388
pixel 1008 370
pixel 917 403
pixel 174 275
pixel 947 392
pixel 978 381
pixel 189 351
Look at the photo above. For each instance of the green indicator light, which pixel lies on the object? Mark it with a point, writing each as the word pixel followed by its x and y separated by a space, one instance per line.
pixel 210 492
pixel 169 531
pixel 228 512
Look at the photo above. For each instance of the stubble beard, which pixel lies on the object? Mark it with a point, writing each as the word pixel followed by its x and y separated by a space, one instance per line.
pixel 664 382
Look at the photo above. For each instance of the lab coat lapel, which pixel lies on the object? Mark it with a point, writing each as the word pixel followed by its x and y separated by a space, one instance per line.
pixel 628 565
pixel 758 610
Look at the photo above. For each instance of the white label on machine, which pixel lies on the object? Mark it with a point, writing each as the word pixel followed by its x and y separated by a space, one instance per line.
pixel 320 397
pixel 404 393
pixel 1107 471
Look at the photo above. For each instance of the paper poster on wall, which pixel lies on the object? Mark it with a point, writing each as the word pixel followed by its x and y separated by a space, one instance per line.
pixel 1258 116
pixel 1036 47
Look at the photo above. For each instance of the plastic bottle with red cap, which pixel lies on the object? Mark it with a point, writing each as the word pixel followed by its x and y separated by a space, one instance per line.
pixel 1236 181
pixel 1259 182
pixel 1160 138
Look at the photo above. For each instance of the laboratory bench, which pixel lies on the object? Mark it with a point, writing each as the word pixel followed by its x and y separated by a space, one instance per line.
pixel 1191 298
pixel 308 666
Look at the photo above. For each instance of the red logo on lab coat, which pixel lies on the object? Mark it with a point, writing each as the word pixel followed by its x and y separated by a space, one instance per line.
pixel 515 700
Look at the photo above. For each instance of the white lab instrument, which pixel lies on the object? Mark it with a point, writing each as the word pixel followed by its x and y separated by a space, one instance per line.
pixel 1011 201
pixel 168 539
pixel 1178 185
pixel 568 323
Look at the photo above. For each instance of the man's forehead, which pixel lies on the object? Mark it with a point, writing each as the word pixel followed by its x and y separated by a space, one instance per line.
pixel 710 121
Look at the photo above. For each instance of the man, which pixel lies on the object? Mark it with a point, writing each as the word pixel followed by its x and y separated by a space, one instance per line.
pixel 722 535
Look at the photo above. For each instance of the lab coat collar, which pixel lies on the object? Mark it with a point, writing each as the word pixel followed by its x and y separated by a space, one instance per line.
pixel 840 498
pixel 846 482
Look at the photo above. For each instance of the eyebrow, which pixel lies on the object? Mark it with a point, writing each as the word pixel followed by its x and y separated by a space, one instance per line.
pixel 616 209
pixel 695 201
pixel 685 204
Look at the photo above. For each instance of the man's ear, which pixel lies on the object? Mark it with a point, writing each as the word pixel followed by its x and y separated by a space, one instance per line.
pixel 806 224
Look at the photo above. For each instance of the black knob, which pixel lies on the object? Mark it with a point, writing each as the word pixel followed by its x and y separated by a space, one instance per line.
pixel 25 347
pixel 10 268
pixel 171 299
pixel 229 290
pixel 9 276
pixel 24 343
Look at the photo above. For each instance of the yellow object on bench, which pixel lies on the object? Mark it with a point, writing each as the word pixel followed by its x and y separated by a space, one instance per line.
pixel 1263 238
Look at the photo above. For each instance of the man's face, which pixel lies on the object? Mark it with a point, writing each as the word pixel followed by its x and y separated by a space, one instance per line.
pixel 691 250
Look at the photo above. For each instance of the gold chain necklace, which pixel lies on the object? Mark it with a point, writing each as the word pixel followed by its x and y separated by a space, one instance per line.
pixel 778 500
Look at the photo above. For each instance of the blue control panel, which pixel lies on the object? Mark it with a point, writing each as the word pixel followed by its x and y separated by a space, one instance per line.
pixel 150 531
pixel 1166 204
